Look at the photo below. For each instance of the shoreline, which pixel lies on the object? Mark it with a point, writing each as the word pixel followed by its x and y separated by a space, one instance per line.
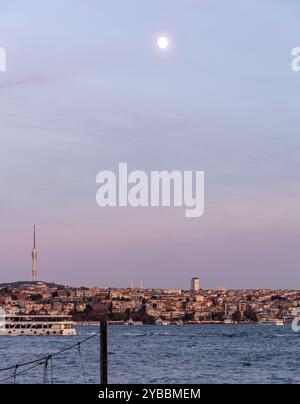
pixel 117 323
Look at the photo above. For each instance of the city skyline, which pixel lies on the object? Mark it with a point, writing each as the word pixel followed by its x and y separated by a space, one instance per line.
pixel 83 93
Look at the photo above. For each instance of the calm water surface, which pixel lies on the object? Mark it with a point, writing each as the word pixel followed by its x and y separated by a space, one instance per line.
pixel 170 354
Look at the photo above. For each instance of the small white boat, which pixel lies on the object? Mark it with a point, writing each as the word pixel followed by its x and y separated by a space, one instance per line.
pixel 228 321
pixel 162 322
pixel 131 322
pixel 37 326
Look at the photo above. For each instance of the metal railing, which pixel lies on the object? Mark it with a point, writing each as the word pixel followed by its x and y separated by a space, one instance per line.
pixel 46 362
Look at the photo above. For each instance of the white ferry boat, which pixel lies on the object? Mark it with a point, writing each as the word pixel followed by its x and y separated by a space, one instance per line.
pixel 37 326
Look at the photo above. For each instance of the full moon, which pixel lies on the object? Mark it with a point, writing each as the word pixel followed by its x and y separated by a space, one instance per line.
pixel 163 42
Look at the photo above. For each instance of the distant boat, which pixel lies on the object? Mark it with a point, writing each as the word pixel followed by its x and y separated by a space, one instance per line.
pixel 266 322
pixel 131 322
pixel 162 322
pixel 37 326
pixel 279 323
pixel 228 321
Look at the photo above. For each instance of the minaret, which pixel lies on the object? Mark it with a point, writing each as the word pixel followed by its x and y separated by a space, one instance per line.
pixel 34 259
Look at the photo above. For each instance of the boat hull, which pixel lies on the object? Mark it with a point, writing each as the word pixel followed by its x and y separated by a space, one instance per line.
pixel 35 333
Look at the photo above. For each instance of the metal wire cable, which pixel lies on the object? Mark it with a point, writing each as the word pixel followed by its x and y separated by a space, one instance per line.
pixel 52 355
pixel 81 362
pixel 45 361
pixel 14 376
pixel 45 378
pixel 15 373
pixel 51 369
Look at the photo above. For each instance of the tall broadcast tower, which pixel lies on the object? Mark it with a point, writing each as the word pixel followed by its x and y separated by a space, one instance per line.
pixel 34 258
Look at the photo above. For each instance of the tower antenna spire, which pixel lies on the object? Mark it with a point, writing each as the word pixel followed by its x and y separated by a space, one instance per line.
pixel 34 258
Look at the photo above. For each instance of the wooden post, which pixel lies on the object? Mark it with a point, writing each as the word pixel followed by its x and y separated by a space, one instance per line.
pixel 103 352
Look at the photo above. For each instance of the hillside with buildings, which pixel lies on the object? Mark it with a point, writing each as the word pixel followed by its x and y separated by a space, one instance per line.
pixel 149 305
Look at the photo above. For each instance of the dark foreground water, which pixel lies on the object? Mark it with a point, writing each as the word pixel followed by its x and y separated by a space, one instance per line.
pixel 165 354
